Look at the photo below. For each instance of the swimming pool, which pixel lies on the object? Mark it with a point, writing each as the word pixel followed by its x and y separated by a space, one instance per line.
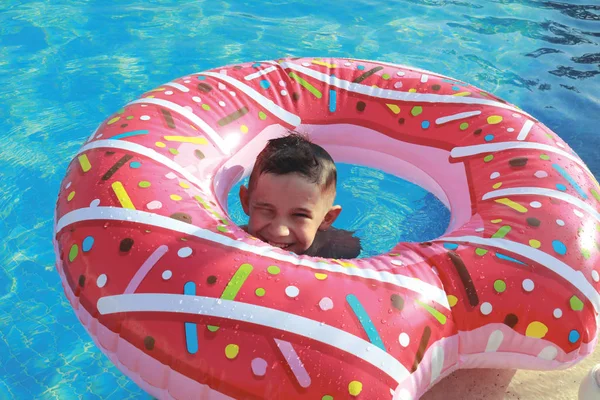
pixel 66 65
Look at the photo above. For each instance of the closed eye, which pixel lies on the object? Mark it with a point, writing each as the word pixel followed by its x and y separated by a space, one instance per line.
pixel 301 215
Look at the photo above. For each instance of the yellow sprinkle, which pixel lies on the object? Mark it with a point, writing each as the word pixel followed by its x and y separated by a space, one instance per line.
pixel 321 277
pixel 511 204
pixel 160 89
pixel 395 109
pixel 536 330
pixel 324 64
pixel 231 351
pixel 452 300
pixel 412 90
pixel 122 195
pixel 187 139
pixel 71 195
pixel 184 185
pixel 345 264
pixel 355 387
pixel 160 144
pixel 496 221
pixel 497 185
pixel 462 94
pixel 244 129
pixel 494 119
pixel 175 197
pixel 113 120
pixel 535 243
pixel 150 97
pixel 84 162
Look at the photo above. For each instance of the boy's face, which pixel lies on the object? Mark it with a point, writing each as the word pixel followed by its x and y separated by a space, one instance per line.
pixel 286 211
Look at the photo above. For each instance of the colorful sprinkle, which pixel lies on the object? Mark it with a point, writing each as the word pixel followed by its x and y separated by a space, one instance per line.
pixel 260 292
pixel 259 367
pixel 88 242
pixel 557 313
pixel 144 184
pixel 452 300
pixel 488 158
pixel 536 329
pixel 84 162
pixel 540 174
pixel 191 329
pixel 416 110
pixel 441 318
pixel 463 126
pixel 273 269
pixel 167 274
pixel 184 252
pixel 135 164
pixel 394 108
pixel 451 246
pixel 574 336
pixel 536 244
pixel 306 85
pixel 320 276
pixel 354 388
pixel 570 179
pixel 71 195
pixel 509 203
pixel 488 138
pixel 494 119
pixel 535 204
pixel 101 281
pixel 500 286
pixel 131 133
pixel 175 197
pixel 232 351
pixel 545 157
pixel 122 195
pixel 154 205
pixel 486 308
pixel 73 252
pixel 559 247
pixel 576 303
pixel 425 124
pixel 365 321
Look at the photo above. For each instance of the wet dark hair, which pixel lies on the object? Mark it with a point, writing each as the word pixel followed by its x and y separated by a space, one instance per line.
pixel 295 153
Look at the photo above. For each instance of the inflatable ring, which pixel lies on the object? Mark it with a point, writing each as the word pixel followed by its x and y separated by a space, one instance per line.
pixel 188 305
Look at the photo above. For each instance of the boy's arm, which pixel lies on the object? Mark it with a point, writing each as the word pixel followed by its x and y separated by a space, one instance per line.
pixel 335 243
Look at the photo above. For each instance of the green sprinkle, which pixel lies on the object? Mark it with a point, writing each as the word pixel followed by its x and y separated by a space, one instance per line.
pixel 260 292
pixel 73 252
pixel 144 184
pixel 463 126
pixel 273 270
pixel 500 286
pixel 488 158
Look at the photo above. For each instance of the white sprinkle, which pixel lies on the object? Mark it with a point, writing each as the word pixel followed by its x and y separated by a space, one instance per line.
pixel 397 262
pixel 292 291
pixel 259 367
pixel 424 78
pixel 528 285
pixel 99 136
pixel 516 115
pixel 169 92
pixel 540 174
pixel 560 144
pixel 187 81
pixel 578 213
pixel 154 205
pixel 557 313
pixel 306 64
pixel 398 85
pixel 486 308
pixel 95 203
pixel 184 252
pixel 535 204
pixel 232 93
pixel 222 103
pixel 171 175
pixel 595 275
pixel 494 341
pixel 404 339
pixel 400 73
pixel 510 129
pixel 68 185
pixel 326 304
pixel 221 86
pixel 548 353
pixel 144 105
pixel 282 83
pixel 101 281
pixel 190 109
pixel 197 99
pixel 479 229
pixel 167 274
pixel 560 222
pixel 435 270
pixel 347 64
pixel 495 175
pixel 144 117
pixel 284 92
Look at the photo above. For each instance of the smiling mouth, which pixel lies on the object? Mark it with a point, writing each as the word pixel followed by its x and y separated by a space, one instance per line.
pixel 279 245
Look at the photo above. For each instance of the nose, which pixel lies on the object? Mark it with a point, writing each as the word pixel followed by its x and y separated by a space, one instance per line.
pixel 279 229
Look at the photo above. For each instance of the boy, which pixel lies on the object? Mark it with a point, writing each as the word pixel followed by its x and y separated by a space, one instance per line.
pixel 289 200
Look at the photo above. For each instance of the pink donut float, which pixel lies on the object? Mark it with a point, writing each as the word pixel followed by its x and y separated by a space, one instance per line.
pixel 189 306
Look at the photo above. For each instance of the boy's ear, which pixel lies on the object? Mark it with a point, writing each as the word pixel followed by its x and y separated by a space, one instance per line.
pixel 330 217
pixel 245 199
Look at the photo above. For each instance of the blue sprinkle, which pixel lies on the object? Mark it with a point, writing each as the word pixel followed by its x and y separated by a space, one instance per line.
pixel 191 329
pixel 561 187
pixel 425 124
pixel 88 242
pixel 456 88
pixel 574 336
pixel 507 258
pixel 265 84
pixel 559 247
pixel 451 246
pixel 135 164
pixel 361 67
pixel 489 138
pixel 255 65
pixel 332 100
pixel 201 77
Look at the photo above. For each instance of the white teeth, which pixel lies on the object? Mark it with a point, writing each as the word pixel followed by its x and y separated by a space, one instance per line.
pixel 280 245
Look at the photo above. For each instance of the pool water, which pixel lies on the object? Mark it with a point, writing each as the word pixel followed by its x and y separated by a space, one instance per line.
pixel 381 209
pixel 65 65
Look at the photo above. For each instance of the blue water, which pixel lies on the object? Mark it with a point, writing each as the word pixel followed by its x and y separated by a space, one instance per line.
pixel 65 65
pixel 381 209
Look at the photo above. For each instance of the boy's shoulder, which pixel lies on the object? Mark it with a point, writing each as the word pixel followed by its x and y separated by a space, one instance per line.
pixel 335 243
